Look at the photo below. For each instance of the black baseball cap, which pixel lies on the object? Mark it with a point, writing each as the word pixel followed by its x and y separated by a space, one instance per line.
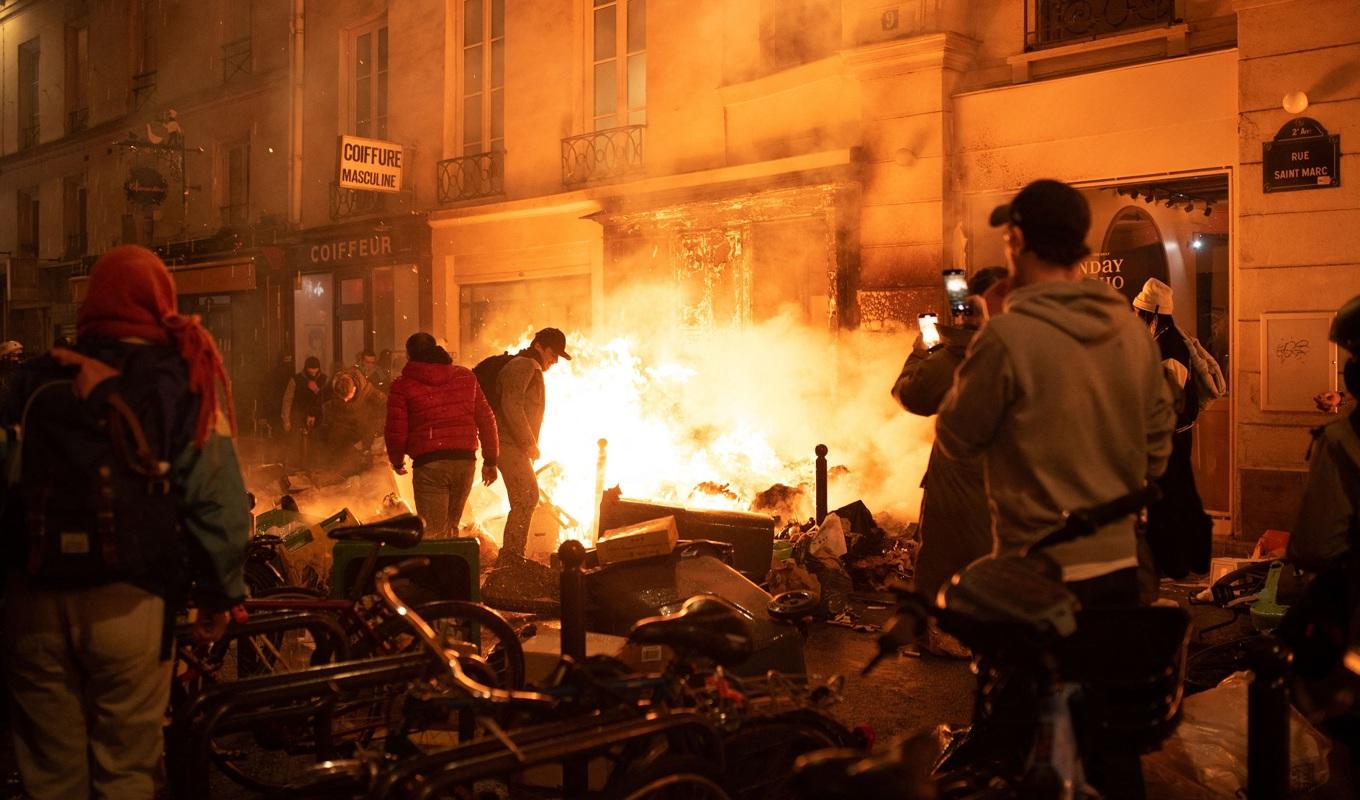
pixel 554 338
pixel 1046 211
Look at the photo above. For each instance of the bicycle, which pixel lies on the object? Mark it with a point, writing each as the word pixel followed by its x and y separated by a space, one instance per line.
pixel 1045 692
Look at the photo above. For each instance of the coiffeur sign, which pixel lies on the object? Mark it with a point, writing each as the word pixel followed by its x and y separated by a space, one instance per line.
pixel 370 165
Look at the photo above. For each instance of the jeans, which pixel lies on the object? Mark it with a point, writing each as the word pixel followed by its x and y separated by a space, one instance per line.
pixel 441 489
pixel 89 688
pixel 521 488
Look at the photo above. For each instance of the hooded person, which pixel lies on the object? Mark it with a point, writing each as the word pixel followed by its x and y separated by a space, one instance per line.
pixel 437 415
pixel 1062 398
pixel 1179 535
pixel 87 660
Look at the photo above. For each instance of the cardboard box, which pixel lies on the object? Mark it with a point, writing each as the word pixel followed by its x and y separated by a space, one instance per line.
pixel 656 537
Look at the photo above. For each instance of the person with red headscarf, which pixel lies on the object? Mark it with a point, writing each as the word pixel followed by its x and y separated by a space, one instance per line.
pixel 87 662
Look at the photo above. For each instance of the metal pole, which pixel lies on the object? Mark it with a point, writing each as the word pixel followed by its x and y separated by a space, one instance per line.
pixel 600 462
pixel 1268 724
pixel 572 555
pixel 821 482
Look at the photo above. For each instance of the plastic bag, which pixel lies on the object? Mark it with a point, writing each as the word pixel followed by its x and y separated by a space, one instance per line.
pixel 829 539
pixel 1207 756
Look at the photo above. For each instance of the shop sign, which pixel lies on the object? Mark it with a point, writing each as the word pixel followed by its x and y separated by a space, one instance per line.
pixel 1302 156
pixel 359 245
pixel 338 251
pixel 145 187
pixel 370 165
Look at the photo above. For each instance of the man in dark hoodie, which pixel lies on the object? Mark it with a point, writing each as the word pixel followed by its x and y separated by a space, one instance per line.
pixel 437 414
pixel 1064 400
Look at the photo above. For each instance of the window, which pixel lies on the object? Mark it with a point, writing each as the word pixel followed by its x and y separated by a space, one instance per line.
pixel 369 101
pixel 144 56
pixel 27 222
pixel 77 79
pixel 73 214
pixel 236 52
pixel 28 94
pixel 235 185
pixel 618 78
pixel 796 32
pixel 483 76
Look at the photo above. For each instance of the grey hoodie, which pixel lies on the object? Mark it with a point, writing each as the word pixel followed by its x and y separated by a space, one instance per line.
pixel 1063 397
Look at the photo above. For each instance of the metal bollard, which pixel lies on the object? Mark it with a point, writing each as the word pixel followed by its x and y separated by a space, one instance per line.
pixel 1268 723
pixel 600 462
pixel 572 555
pixel 821 452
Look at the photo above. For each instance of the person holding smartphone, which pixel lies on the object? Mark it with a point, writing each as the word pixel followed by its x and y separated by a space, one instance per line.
pixel 955 524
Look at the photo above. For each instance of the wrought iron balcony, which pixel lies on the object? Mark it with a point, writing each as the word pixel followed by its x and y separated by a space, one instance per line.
pixel 143 86
pixel 235 59
pixel 346 203
pixel 77 120
pixel 602 155
pixel 470 177
pixel 1051 23
pixel 28 136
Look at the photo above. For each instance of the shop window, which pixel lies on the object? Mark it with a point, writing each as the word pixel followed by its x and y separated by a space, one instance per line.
pixel 494 316
pixel 483 120
pixel 396 307
pixel 368 93
pixel 313 307
pixel 618 74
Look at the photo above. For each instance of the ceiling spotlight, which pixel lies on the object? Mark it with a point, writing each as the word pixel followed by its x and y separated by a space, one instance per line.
pixel 1133 194
pixel 1170 201
pixel 1150 197
pixel 1189 205
pixel 1208 209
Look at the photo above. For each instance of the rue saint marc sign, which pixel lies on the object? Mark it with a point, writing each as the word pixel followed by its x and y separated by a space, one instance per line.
pixel 1302 156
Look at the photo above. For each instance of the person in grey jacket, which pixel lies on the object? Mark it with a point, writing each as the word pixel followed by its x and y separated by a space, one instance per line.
pixel 519 417
pixel 1062 397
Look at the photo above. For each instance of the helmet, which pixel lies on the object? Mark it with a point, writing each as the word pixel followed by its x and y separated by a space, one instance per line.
pixel 1346 325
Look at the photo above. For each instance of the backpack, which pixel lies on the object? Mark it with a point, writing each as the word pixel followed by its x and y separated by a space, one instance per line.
pixel 488 372
pixel 88 493
pixel 1210 384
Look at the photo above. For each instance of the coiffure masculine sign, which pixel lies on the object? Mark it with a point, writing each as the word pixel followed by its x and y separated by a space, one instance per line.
pixel 370 165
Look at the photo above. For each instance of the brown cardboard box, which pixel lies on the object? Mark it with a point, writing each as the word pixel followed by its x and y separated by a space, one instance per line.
pixel 656 537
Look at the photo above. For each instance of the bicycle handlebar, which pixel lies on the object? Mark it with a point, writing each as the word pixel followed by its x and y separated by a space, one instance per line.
pixel 480 691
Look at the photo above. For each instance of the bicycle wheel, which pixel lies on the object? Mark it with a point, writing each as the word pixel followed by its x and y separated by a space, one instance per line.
pixel 473 630
pixel 272 653
pixel 761 752
pixel 670 777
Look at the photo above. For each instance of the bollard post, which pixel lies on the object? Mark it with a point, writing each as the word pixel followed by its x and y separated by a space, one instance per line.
pixel 821 452
pixel 572 555
pixel 600 462
pixel 1268 723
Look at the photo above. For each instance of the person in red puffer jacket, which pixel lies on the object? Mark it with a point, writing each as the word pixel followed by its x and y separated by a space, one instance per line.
pixel 436 414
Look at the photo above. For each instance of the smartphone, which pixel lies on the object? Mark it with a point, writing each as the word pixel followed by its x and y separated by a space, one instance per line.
pixel 956 287
pixel 930 334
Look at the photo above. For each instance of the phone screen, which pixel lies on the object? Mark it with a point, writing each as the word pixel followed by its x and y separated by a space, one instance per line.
pixel 930 334
pixel 956 287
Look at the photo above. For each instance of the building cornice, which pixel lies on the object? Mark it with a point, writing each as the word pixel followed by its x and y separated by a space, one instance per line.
pixel 946 50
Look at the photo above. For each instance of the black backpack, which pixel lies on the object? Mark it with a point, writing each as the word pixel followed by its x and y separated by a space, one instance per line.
pixel 488 372
pixel 89 494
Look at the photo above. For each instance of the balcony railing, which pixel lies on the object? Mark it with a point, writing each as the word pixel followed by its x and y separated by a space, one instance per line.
pixel 235 216
pixel 346 203
pixel 471 177
pixel 77 120
pixel 28 137
pixel 143 86
pixel 1051 23
pixel 235 59
pixel 602 155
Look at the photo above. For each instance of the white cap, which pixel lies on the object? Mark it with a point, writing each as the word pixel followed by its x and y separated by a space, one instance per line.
pixel 1155 297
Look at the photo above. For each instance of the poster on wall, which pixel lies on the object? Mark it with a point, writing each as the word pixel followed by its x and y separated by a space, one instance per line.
pixel 1297 361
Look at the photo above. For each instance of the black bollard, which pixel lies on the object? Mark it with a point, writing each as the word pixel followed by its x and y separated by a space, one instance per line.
pixel 572 555
pixel 1268 723
pixel 821 482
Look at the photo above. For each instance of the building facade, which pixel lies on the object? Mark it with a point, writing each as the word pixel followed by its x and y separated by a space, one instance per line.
pixel 748 156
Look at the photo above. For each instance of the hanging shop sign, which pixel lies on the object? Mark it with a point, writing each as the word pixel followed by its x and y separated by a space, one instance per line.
pixel 145 187
pixel 1302 156
pixel 370 165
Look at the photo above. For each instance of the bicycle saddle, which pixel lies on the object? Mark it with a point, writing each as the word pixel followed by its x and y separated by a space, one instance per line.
pixel 706 624
pixel 402 531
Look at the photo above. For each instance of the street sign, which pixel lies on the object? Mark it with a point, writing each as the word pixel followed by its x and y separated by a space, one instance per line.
pixel 370 165
pixel 1302 156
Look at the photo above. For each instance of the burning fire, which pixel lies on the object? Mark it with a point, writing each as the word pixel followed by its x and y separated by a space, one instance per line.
pixel 711 419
